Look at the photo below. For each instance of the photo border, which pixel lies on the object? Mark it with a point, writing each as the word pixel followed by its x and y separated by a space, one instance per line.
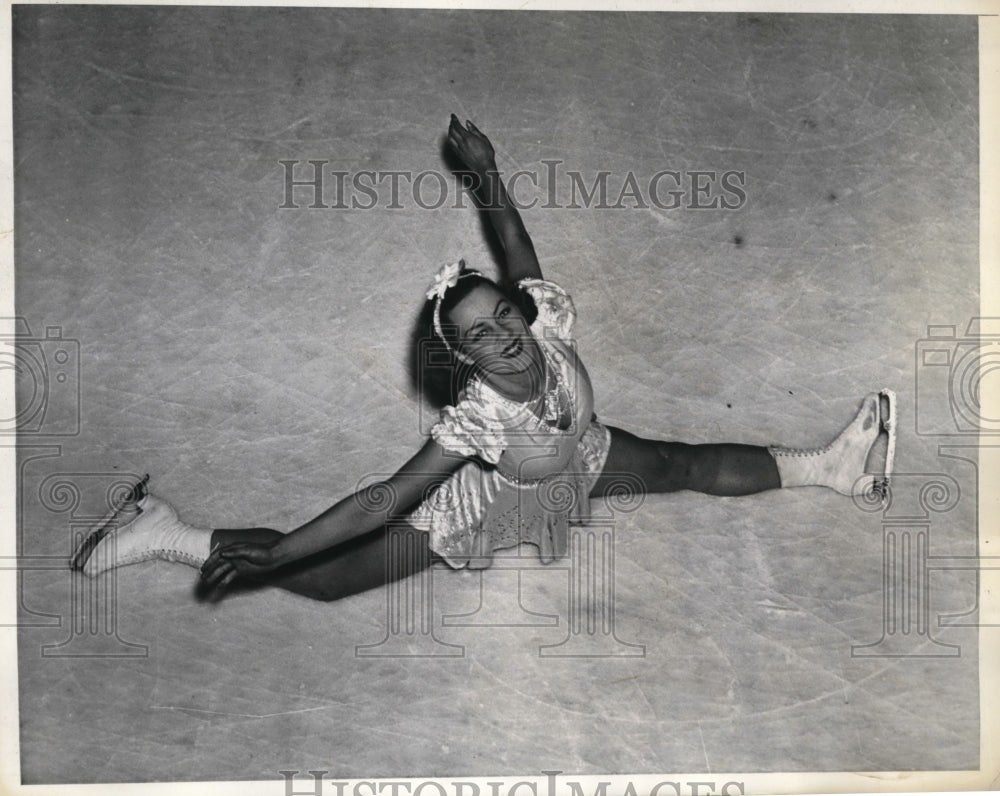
pixel 986 778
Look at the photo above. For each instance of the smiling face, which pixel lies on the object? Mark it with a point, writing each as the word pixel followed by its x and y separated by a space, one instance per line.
pixel 494 334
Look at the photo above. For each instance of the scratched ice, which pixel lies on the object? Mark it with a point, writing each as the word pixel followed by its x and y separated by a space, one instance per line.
pixel 251 358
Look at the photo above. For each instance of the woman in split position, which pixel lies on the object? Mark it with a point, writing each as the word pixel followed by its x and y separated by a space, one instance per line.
pixel 515 459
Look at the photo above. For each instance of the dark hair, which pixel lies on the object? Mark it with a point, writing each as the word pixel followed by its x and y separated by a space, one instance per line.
pixel 440 375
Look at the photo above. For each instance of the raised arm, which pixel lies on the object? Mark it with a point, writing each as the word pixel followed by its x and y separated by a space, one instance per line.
pixel 355 515
pixel 476 151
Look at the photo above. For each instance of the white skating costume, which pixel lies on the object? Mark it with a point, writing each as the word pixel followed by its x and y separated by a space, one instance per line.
pixel 531 479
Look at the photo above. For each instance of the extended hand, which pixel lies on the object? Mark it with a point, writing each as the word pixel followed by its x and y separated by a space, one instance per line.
pixel 228 562
pixel 471 145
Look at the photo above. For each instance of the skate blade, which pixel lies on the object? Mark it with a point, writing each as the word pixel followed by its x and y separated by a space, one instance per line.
pixel 108 525
pixel 887 421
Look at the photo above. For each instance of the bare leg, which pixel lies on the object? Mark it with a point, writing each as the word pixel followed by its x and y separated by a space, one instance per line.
pixel 715 469
pixel 363 563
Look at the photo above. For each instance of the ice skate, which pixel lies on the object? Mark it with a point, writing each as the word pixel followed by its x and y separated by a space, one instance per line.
pixel 141 528
pixel 841 465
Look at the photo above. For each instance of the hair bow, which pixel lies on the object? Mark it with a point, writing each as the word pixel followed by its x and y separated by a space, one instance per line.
pixel 447 277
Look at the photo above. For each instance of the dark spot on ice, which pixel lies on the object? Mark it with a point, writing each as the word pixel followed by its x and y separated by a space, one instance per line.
pixel 831 197
pixel 738 240
pixel 729 406
pixel 810 123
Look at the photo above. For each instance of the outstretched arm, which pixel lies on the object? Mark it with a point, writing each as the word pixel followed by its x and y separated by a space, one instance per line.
pixel 358 514
pixel 476 151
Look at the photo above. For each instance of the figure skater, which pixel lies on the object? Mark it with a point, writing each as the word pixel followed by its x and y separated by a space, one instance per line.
pixel 515 459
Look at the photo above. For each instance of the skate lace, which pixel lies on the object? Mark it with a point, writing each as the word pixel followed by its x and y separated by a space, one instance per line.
pixel 803 452
pixel 165 550
pixel 164 553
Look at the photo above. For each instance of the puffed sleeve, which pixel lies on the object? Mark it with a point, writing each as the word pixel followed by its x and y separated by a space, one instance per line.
pixel 471 428
pixel 556 311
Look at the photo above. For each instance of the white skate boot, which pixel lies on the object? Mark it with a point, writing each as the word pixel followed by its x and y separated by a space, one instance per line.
pixel 141 528
pixel 841 465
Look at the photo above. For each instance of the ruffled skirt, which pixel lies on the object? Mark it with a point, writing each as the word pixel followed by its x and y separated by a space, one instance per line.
pixel 480 509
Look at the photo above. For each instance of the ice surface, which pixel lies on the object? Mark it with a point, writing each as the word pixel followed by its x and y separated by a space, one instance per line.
pixel 252 359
